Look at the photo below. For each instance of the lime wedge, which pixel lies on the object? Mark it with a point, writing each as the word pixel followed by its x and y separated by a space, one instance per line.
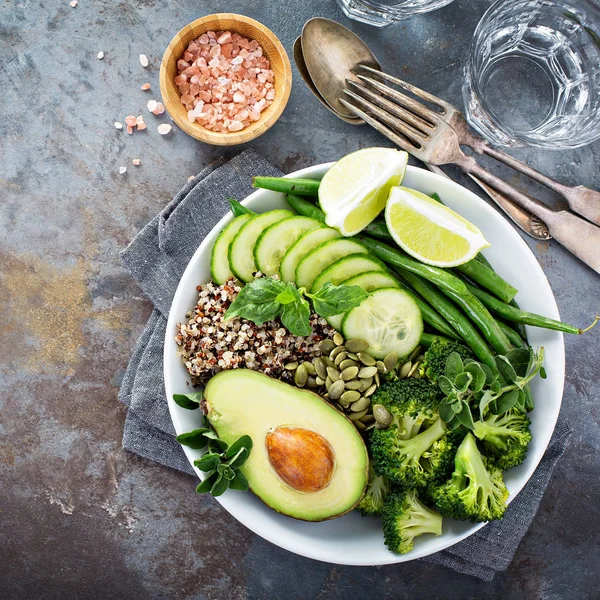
pixel 430 231
pixel 354 191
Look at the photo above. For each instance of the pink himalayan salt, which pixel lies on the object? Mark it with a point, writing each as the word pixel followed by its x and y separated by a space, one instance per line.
pixel 145 86
pixel 225 81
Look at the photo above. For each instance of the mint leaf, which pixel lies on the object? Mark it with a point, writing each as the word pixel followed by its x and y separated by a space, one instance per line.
pixel 257 301
pixel 188 401
pixel 333 300
pixel 287 295
pixel 295 316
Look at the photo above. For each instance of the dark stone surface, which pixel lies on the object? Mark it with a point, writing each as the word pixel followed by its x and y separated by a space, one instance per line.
pixel 80 518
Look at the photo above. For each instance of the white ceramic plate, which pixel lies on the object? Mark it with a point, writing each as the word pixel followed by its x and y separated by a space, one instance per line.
pixel 352 539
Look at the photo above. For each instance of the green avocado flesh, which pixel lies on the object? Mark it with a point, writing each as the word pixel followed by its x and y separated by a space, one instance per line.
pixel 244 402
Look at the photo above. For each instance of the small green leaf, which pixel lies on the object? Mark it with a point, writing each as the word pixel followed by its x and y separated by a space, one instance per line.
pixel 453 424
pixel 465 417
pixel 257 301
pixel 244 441
pixel 239 459
pixel 456 406
pixel 496 387
pixel 543 373
pixel 205 486
pixel 208 461
pixel 226 471
pixel 446 412
pixel 484 402
pixel 239 482
pixel 446 385
pixel 188 401
pixel 454 366
pixel 520 358
pixel 219 486
pixel 490 376
pixel 217 445
pixel 333 300
pixel 195 439
pixel 296 316
pixel 505 369
pixel 506 401
pixel 287 295
pixel 478 376
pixel 463 381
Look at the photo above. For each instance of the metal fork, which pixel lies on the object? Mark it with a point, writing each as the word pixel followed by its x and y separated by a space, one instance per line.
pixel 424 134
pixel 580 199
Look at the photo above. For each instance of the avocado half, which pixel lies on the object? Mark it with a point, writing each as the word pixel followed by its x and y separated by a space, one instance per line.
pixel 308 460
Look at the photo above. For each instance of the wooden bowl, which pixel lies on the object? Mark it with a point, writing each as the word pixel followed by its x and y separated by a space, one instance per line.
pixel 273 50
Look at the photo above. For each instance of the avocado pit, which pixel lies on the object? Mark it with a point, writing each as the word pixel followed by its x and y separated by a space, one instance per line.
pixel 303 459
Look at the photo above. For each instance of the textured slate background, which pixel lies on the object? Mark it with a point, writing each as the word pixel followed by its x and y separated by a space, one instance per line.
pixel 79 517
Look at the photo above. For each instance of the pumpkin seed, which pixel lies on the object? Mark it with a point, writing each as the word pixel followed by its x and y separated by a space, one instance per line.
pixel 356 416
pixel 367 372
pixel 291 366
pixel 333 373
pixel 413 369
pixel 352 355
pixel 366 359
pixel 348 362
pixel 415 353
pixel 320 381
pixel 382 415
pixel 355 384
pixel 369 427
pixel 301 376
pixel 377 379
pixel 350 396
pixel 367 419
pixel 311 383
pixel 309 367
pixel 328 382
pixel 326 346
pixel 356 345
pixel 327 361
pixel 320 367
pixel 349 373
pixel 336 389
pixel 381 367
pixel 391 360
pixel 365 384
pixel 370 391
pixel 338 350
pixel 338 339
pixel 360 404
pixel 340 357
pixel 359 425
pixel 404 370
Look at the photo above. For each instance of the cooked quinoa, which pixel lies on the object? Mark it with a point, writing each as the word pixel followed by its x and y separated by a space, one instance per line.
pixel 208 345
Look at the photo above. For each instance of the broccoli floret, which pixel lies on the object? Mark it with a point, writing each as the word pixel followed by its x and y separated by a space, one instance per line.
pixel 412 402
pixel 434 359
pixel 404 518
pixel 505 438
pixel 402 460
pixel 374 498
pixel 474 493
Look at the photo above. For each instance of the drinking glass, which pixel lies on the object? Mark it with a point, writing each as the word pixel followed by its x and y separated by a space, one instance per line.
pixel 384 12
pixel 533 74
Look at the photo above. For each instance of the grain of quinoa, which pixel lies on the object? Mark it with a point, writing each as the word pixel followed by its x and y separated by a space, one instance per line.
pixel 208 345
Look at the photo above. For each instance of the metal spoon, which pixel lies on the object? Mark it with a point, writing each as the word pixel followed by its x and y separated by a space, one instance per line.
pixel 332 53
pixel 301 66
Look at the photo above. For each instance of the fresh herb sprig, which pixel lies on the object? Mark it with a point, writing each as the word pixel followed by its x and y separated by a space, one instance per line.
pixel 266 299
pixel 474 384
pixel 221 462
pixel 189 401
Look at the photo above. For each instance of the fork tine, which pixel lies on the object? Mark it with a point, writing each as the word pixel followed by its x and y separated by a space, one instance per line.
pixel 402 99
pixel 400 141
pixel 444 106
pixel 415 136
pixel 400 112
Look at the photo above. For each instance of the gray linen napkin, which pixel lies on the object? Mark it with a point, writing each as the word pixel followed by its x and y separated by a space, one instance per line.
pixel 157 257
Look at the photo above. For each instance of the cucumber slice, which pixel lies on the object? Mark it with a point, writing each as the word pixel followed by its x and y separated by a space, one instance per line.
pixel 241 257
pixel 316 261
pixel 346 267
pixel 219 261
pixel 389 319
pixel 276 239
pixel 372 280
pixel 303 245
pixel 369 281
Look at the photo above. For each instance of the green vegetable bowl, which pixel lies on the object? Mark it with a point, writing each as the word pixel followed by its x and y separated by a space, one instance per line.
pixel 352 539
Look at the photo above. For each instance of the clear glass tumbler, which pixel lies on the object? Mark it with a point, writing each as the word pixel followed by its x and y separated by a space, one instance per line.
pixel 533 75
pixel 385 12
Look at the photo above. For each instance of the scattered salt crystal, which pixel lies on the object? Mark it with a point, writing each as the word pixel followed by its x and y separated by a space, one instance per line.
pixel 130 120
pixel 73 3
pixel 118 125
pixel 164 129
pixel 152 104
pixel 122 170
pixel 137 162
pixel 159 109
pixel 129 129
pixel 100 55
pixel 191 177
pixel 143 60
pixel 145 87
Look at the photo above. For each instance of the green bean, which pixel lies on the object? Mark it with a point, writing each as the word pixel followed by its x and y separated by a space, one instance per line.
pixel 453 315
pixel 238 209
pixel 520 316
pixel 515 339
pixel 487 278
pixel 398 258
pixel 482 259
pixel 300 187
pixel 429 314
pixel 428 338
pixel 304 207
pixel 519 326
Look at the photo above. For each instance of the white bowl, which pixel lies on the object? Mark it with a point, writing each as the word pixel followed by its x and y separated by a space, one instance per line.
pixel 352 539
